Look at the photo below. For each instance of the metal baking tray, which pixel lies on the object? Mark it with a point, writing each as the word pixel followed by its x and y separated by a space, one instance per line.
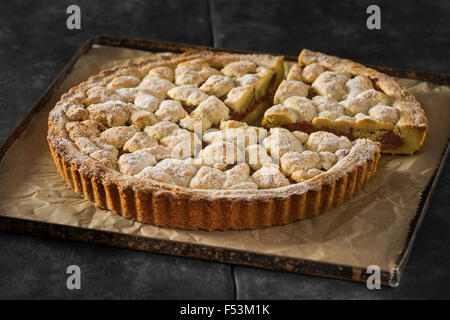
pixel 199 251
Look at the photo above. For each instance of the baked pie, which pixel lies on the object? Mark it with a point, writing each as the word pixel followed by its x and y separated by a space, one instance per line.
pixel 327 93
pixel 174 140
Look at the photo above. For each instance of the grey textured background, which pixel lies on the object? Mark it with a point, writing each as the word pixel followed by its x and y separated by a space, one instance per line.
pixel 35 45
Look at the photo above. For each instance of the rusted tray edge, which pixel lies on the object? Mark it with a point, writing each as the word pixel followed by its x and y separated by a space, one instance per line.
pixel 231 256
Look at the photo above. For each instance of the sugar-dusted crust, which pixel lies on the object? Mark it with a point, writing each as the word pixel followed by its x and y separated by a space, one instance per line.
pixel 172 206
pixel 412 125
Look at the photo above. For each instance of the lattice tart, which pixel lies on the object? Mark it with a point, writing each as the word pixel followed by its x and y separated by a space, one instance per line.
pixel 173 141
pixel 327 93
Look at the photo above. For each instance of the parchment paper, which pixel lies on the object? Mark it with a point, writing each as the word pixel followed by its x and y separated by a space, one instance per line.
pixel 369 229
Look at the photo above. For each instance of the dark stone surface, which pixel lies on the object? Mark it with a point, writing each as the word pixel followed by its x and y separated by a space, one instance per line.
pixel 35 45
pixel 35 268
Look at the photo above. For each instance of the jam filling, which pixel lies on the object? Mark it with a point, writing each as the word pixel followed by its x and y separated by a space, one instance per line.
pixel 389 141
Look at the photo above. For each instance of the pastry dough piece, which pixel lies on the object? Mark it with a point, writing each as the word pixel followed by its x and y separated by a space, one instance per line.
pixel 330 115
pixel 86 145
pixel 219 152
pixel 208 178
pixel 106 158
pixel 327 159
pixel 207 72
pixel 180 171
pixel 230 124
pixel 240 98
pixel 161 129
pixel 301 136
pixel 319 100
pixel 331 83
pixel 163 72
pixel 281 141
pixel 189 77
pixel 238 178
pixel 326 141
pixel 265 76
pixel 192 65
pixel 181 93
pixel 239 68
pixel 293 161
pixel 212 135
pixel 87 129
pixel 305 109
pixel 147 102
pixel 279 115
pixel 193 72
pixel 89 147
pixel 260 80
pixel 289 88
pixel 364 100
pixel 330 106
pixel 358 84
pixel 295 73
pixel 76 112
pixel 195 124
pixel 158 87
pixel 130 94
pixel 294 109
pixel 312 71
pixel 133 163
pixel 384 113
pixel 248 80
pixel 218 85
pixel 196 98
pixel 139 141
pixel 142 118
pixel 111 113
pixel 118 136
pixel 160 152
pixel 256 155
pixel 123 82
pixel 213 110
pixel 270 176
pixel 188 95
pixel 241 136
pixel 99 94
pixel 183 143
pixel 170 110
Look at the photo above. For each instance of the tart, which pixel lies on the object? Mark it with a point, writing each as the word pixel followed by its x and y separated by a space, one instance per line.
pixel 327 93
pixel 173 141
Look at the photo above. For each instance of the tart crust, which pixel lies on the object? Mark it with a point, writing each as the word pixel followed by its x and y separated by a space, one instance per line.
pixel 164 205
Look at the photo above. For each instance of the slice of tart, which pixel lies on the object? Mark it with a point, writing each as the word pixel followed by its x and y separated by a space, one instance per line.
pixel 327 93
